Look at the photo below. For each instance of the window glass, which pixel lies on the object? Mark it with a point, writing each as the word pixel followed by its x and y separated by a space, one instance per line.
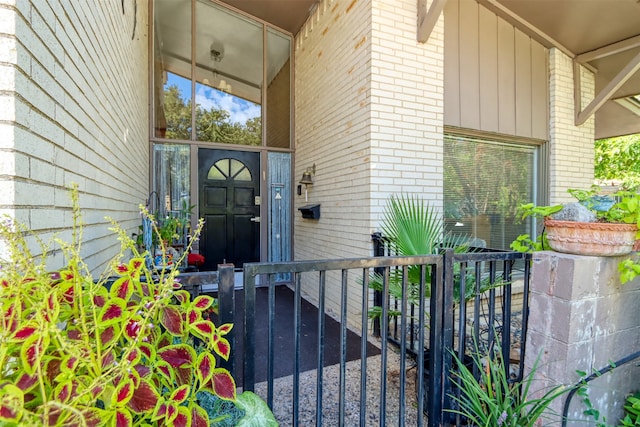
pixel 278 89
pixel 209 76
pixel 229 169
pixel 484 183
pixel 171 178
pixel 172 69
pixel 229 75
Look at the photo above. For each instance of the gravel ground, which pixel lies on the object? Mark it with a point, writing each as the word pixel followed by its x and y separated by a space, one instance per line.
pixel 283 395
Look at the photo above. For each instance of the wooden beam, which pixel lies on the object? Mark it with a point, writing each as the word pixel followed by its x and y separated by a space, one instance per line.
pixel 607 92
pixel 427 19
pixel 612 49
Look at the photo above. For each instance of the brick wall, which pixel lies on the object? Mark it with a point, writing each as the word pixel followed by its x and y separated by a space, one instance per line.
pixel 369 115
pixel 74 98
pixel 571 149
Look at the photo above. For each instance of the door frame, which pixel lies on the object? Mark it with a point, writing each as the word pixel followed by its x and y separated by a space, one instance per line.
pixel 195 190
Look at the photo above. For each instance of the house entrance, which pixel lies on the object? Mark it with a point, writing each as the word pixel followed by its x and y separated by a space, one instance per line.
pixel 229 188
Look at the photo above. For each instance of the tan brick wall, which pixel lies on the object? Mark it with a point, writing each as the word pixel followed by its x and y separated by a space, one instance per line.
pixel 369 115
pixel 76 95
pixel 571 150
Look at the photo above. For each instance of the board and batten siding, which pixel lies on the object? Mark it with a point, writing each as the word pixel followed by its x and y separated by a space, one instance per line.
pixel 496 77
pixel 74 109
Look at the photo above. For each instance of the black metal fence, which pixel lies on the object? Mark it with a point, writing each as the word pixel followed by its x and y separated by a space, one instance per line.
pixel 437 321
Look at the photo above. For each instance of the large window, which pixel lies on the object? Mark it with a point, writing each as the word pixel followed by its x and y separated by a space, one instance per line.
pixel 484 183
pixel 214 81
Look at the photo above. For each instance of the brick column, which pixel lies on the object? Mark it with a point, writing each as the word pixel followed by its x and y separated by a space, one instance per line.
pixel 570 147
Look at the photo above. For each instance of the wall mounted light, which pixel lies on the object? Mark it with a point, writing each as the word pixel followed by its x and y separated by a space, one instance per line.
pixel 307 179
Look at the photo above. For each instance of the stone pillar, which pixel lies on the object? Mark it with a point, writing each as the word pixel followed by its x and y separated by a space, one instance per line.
pixel 582 319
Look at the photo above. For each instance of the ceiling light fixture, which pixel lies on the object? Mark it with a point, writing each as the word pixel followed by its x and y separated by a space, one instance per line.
pixel 216 52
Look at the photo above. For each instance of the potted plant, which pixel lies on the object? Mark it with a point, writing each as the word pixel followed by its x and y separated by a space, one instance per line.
pixel 128 348
pixel 596 225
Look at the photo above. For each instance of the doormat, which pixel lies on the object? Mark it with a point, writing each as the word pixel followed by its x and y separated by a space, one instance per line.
pixel 284 356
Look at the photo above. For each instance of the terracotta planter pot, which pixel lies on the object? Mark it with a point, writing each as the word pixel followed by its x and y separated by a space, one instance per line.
pixel 590 238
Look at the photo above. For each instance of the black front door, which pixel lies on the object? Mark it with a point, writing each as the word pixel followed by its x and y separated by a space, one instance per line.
pixel 229 188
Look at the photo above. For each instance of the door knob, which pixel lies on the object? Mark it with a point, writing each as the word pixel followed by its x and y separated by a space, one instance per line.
pixel 255 219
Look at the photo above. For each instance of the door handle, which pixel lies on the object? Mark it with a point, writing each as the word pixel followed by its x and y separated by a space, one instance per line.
pixel 255 219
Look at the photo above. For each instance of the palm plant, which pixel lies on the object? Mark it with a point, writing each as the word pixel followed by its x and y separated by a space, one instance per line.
pixel 414 227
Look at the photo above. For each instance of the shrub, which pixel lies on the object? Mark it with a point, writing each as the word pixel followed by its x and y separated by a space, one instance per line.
pixel 128 348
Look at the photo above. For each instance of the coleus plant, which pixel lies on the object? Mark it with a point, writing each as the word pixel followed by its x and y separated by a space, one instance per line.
pixel 131 348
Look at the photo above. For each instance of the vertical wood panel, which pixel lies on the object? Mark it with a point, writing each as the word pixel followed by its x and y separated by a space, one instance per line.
pixel 279 194
pixel 488 57
pixel 506 77
pixel 451 64
pixel 523 84
pixel 469 66
pixel 496 77
pixel 540 91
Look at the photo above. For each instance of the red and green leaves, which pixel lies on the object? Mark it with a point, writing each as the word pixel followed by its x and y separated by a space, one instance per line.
pixel 32 351
pixel 171 319
pixel 222 384
pixel 11 403
pixel 112 311
pixel 144 398
pixel 125 343
pixel 178 356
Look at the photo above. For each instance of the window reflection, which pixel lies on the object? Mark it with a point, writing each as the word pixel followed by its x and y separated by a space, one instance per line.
pixel 223 117
pixel 177 107
pixel 172 69
pixel 484 184
pixel 210 82
pixel 229 168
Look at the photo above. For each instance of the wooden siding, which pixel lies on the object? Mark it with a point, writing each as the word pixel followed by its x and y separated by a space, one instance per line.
pixel 496 77
pixel 279 203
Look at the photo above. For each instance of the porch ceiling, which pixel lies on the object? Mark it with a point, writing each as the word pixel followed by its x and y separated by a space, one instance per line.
pixel 602 34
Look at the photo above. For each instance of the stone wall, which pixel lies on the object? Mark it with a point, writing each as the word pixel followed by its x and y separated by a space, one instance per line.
pixel 582 319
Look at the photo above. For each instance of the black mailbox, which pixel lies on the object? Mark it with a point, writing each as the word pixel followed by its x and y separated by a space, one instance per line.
pixel 310 211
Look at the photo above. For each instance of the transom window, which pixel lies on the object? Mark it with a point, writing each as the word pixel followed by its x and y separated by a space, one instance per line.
pixel 229 169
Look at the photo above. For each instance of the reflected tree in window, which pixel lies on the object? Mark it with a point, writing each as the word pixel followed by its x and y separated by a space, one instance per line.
pixel 213 124
pixel 484 184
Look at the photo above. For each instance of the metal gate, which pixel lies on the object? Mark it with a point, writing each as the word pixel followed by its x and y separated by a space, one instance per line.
pixel 425 324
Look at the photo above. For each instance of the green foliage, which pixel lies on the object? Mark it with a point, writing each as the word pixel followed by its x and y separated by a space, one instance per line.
pixel 256 410
pixel 412 225
pixel 117 351
pixel 525 244
pixel 414 228
pixel 491 400
pixel 168 231
pixel 632 411
pixel 625 210
pixel 617 159
pixel 590 411
pixel 529 209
